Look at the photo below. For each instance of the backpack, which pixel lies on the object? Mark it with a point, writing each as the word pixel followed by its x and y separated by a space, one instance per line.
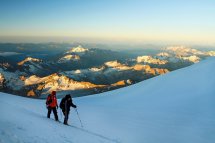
pixel 62 104
pixel 48 100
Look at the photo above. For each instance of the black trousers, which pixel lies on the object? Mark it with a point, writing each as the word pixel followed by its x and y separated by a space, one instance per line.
pixel 50 109
pixel 66 116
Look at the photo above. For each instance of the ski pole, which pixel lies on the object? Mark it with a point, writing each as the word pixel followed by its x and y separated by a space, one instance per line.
pixel 79 117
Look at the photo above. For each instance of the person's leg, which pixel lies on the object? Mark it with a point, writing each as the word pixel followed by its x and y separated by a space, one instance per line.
pixel 49 112
pixel 66 118
pixel 64 113
pixel 55 113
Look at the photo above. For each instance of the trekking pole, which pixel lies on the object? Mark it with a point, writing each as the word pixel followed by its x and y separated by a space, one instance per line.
pixel 79 117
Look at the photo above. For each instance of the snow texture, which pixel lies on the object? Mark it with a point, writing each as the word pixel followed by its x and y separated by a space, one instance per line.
pixel 177 107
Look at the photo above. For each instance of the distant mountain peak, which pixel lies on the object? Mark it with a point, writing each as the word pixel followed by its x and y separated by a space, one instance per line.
pixel 113 64
pixel 29 59
pixel 117 65
pixel 151 60
pixel 163 54
pixel 183 50
pixel 78 49
pixel 69 57
pixel 58 82
pixel 193 59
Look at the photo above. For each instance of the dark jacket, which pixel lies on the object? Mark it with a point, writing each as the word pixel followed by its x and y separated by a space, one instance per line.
pixel 67 103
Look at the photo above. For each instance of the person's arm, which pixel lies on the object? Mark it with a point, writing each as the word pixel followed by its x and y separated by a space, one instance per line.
pixel 73 105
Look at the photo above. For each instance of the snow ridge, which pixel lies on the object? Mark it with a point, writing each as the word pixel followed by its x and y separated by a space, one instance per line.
pixel 29 59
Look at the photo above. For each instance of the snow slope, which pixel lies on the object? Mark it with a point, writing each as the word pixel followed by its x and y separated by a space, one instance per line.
pixel 177 107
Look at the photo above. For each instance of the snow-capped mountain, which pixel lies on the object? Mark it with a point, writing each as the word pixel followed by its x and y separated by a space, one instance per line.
pixel 33 66
pixel 181 53
pixel 113 71
pixel 15 82
pixel 94 66
pixel 150 60
pixel 117 65
pixel 210 53
pixel 77 50
pixel 29 60
pixel 193 59
pixel 172 108
pixel 69 58
pixel 80 58
pixel 11 80
pixel 163 54
pixel 56 82
pixel 73 54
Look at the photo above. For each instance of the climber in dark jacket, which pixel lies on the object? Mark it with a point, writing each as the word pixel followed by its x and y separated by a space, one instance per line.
pixel 65 104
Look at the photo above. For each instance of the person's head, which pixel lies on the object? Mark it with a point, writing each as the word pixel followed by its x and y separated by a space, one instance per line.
pixel 53 93
pixel 68 97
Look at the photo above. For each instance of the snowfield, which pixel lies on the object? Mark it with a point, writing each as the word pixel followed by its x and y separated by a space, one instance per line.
pixel 178 107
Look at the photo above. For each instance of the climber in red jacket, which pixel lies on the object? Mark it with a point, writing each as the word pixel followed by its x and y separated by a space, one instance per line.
pixel 51 104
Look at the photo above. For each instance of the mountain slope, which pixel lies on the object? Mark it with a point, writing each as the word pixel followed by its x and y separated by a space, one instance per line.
pixel 175 107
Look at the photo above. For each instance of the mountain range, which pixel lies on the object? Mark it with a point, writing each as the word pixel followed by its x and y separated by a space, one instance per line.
pixel 84 71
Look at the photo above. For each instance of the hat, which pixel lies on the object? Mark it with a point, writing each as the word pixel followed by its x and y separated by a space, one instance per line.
pixel 53 92
pixel 68 96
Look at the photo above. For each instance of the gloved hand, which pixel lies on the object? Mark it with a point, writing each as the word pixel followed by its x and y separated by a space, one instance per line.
pixel 75 106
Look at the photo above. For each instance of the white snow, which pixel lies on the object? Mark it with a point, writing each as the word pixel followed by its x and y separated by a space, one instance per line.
pixel 163 54
pixel 67 58
pixel 211 53
pixel 58 83
pixel 175 54
pixel 12 79
pixel 29 59
pixel 117 65
pixel 177 107
pixel 78 49
pixel 96 69
pixel 34 80
pixel 113 64
pixel 77 71
pixel 149 59
pixel 193 59
pixel 184 51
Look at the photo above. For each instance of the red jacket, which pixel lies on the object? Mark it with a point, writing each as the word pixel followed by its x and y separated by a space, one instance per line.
pixel 51 101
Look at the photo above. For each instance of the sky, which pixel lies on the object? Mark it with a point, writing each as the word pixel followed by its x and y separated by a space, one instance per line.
pixel 135 21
